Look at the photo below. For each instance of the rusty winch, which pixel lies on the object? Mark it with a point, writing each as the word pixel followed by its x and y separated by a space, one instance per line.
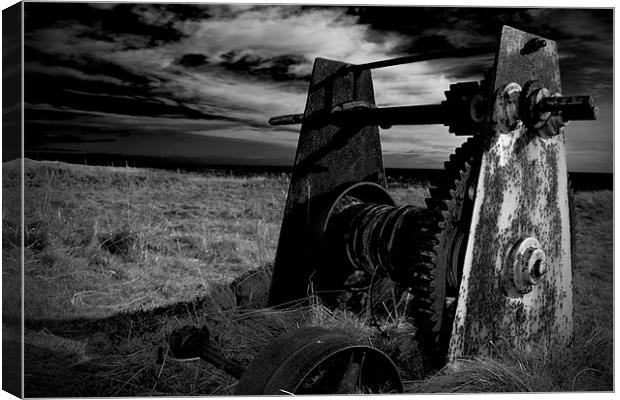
pixel 488 259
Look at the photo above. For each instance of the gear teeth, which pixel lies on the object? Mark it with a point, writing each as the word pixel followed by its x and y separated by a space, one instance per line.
pixel 424 277
pixel 428 313
pixel 429 284
pixel 425 301
pixel 423 289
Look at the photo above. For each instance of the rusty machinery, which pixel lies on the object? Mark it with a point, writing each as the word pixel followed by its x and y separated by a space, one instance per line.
pixel 487 260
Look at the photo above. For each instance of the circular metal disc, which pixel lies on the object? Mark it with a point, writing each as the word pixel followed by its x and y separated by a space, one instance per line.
pixel 317 361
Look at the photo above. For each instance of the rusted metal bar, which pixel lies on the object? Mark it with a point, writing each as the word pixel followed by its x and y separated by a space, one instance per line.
pixel 427 114
pixel 192 342
pixel 432 55
pixel 289 119
pixel 463 111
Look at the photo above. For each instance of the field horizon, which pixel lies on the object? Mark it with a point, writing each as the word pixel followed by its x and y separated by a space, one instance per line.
pixel 579 180
pixel 117 257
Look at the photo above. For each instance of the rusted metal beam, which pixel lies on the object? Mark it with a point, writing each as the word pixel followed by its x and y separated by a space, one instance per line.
pixel 329 159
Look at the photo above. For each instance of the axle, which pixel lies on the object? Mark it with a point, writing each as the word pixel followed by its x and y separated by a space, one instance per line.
pixel 463 111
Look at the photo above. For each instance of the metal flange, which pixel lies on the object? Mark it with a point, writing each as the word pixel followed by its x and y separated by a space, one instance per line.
pixel 526 265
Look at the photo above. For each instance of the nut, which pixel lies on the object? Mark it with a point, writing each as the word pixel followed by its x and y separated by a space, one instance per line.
pixel 534 266
pixel 526 267
pixel 539 117
pixel 506 108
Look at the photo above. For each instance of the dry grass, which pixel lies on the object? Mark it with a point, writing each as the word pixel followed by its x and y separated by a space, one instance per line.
pixel 103 240
pixel 118 257
pixel 579 368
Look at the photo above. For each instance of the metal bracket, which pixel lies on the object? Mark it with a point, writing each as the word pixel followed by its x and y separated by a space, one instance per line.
pixel 522 193
pixel 330 158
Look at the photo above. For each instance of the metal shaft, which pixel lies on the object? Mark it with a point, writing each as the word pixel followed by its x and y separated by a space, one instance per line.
pixel 191 342
pixel 433 55
pixel 289 119
pixel 428 114
pixel 572 108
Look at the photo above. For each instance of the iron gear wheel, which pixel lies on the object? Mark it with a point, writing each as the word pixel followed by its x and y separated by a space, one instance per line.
pixel 451 205
pixel 465 108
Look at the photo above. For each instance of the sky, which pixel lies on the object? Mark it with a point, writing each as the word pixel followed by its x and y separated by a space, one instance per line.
pixel 200 81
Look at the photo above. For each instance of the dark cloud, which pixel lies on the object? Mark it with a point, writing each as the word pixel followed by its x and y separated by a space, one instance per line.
pixel 424 44
pixel 105 24
pixel 186 12
pixel 192 60
pixel 86 63
pixel 110 19
pixel 83 95
pixel 472 68
pixel 584 36
pixel 277 68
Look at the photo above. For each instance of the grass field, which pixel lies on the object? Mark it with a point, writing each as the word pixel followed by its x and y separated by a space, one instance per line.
pixel 116 258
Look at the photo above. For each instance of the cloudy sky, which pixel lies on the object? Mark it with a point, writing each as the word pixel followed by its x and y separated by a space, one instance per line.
pixel 200 81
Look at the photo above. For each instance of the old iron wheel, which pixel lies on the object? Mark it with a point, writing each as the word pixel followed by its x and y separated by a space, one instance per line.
pixel 315 360
pixel 434 301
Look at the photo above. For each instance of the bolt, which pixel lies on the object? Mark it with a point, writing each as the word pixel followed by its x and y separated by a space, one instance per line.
pixel 533 45
pixel 527 265
pixel 540 268
pixel 536 266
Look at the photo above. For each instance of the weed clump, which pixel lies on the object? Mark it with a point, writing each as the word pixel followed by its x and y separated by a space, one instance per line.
pixel 36 236
pixel 122 242
pixel 11 234
pixel 517 369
